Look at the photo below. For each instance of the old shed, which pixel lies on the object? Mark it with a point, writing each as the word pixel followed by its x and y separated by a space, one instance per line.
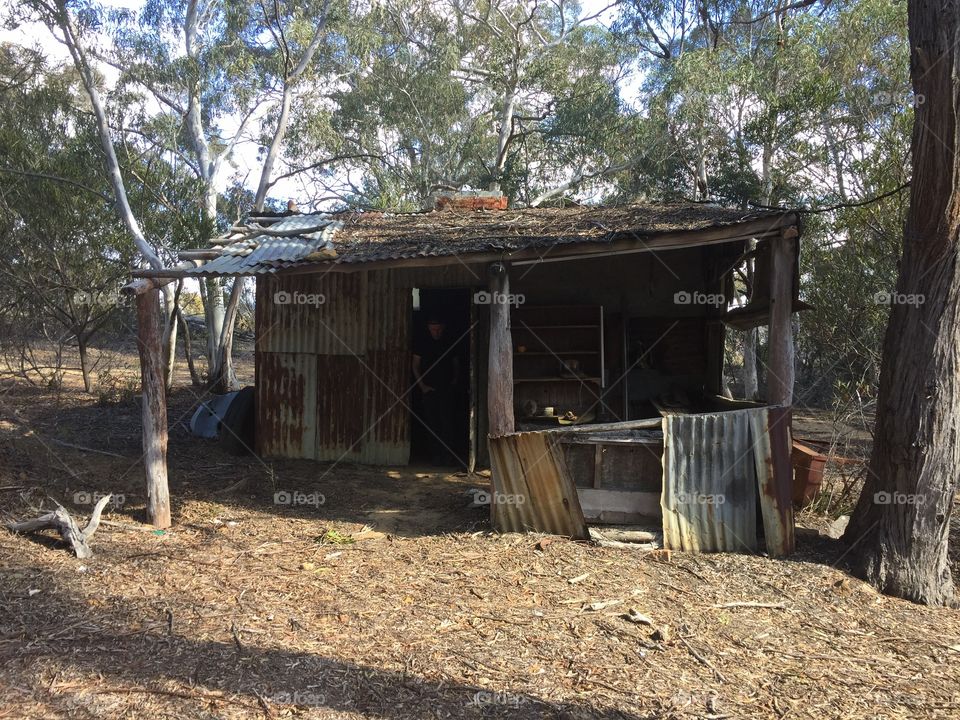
pixel 584 337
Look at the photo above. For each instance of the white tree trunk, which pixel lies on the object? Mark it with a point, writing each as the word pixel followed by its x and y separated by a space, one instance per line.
pixel 750 382
pixel 72 40
pixel 169 335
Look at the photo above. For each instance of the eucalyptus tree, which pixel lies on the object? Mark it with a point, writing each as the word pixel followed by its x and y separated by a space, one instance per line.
pixel 901 526
pixel 437 95
pixel 770 104
pixel 63 252
pixel 224 75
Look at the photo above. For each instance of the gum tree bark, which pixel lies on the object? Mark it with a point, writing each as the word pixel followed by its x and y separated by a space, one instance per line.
pixel 900 528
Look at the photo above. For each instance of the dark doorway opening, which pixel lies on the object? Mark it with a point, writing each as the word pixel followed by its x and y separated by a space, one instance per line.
pixel 440 431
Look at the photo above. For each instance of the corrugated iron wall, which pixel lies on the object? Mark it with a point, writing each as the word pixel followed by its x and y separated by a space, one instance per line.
pixel 709 495
pixel 333 367
pixel 387 411
pixel 286 396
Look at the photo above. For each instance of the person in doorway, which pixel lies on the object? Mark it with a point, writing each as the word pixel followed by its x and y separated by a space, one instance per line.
pixel 436 369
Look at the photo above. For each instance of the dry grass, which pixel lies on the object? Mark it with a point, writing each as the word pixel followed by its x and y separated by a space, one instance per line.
pixel 243 610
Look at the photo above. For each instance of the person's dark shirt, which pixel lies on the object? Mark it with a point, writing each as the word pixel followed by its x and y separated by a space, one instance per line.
pixel 436 360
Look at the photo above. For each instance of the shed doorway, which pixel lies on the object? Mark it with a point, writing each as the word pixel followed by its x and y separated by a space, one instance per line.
pixel 440 346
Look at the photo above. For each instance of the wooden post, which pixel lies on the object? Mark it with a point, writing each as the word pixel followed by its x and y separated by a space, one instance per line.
pixel 780 371
pixel 154 408
pixel 474 394
pixel 500 364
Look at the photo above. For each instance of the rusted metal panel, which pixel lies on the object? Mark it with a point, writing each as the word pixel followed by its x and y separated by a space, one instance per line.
pixel 388 375
pixel 532 489
pixel 318 314
pixel 339 420
pixel 388 408
pixel 709 492
pixel 286 405
pixel 772 446
pixel 352 348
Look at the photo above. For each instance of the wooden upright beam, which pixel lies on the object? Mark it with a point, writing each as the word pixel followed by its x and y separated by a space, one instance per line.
pixel 780 371
pixel 154 408
pixel 500 364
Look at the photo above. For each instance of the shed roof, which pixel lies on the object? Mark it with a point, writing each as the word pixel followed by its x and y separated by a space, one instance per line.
pixel 267 244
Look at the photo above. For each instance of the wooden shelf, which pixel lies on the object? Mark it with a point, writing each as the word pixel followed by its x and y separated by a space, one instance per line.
pixel 558 353
pixel 558 337
pixel 554 327
pixel 595 380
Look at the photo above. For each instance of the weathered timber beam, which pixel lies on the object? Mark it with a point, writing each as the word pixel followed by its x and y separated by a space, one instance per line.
pixel 500 359
pixel 780 371
pixel 150 279
pixel 198 254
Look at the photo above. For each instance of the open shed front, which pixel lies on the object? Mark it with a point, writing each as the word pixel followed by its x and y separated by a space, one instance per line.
pixel 573 324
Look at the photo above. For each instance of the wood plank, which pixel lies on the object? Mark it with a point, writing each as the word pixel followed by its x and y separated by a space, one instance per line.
pixel 618 506
pixel 597 465
pixel 770 430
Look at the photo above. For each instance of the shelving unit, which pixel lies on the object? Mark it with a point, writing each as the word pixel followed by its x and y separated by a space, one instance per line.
pixel 558 356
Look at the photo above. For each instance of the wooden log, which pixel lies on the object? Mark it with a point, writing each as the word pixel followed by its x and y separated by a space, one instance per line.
pixel 61 521
pixel 156 278
pixel 780 371
pixel 197 254
pixel 500 364
pixel 153 409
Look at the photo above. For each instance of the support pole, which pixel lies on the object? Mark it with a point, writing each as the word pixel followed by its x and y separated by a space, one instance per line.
pixel 154 408
pixel 500 364
pixel 780 372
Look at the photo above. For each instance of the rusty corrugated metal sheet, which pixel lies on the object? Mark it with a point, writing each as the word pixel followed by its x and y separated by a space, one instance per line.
pixel 340 422
pixel 531 489
pixel 772 446
pixel 333 325
pixel 709 482
pixel 286 405
pixel 351 353
pixel 388 370
pixel 246 252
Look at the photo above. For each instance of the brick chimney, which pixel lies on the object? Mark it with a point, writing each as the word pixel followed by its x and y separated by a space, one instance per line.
pixel 470 200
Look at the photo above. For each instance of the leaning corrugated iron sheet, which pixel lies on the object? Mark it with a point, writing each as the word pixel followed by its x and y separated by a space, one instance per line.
pixel 531 487
pixel 715 466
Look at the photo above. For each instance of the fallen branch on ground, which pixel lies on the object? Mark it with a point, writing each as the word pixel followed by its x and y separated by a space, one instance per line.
pixel 61 521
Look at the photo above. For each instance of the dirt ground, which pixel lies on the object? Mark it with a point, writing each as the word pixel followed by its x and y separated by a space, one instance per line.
pixel 384 595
